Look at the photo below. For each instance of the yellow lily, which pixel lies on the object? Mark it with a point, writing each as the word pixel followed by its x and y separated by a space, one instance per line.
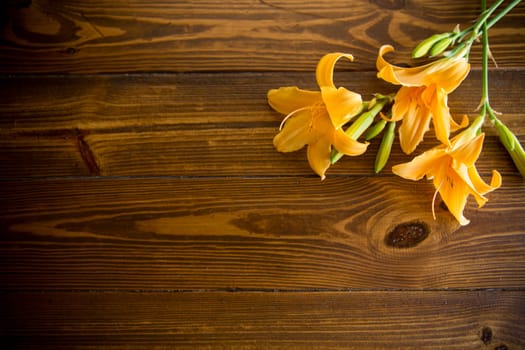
pixel 423 97
pixel 453 172
pixel 315 118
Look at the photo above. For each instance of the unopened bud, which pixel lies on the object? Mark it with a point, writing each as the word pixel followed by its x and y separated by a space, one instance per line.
pixel 385 147
pixel 512 145
pixel 375 129
pixel 440 46
pixel 423 47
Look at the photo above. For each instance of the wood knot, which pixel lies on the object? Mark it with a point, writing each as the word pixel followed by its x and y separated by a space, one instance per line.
pixel 71 51
pixel 407 235
pixel 486 335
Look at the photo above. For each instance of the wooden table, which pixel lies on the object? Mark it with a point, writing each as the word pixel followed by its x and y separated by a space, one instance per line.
pixel 144 206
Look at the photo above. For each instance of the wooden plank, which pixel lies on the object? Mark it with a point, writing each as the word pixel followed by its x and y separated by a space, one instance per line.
pixel 284 233
pixel 42 36
pixel 256 320
pixel 193 124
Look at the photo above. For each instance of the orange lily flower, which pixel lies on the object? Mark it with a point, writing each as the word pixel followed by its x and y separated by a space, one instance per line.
pixel 315 118
pixel 453 172
pixel 423 97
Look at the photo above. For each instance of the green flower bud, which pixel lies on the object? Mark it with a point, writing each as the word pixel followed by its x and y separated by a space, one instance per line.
pixel 513 146
pixel 385 147
pixel 374 130
pixel 423 47
pixel 440 46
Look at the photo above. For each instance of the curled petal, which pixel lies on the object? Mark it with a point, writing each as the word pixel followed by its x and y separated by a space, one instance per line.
pixel 318 154
pixel 398 75
pixel 451 76
pixel 446 72
pixel 479 186
pixel 455 126
pixel 325 68
pixel 386 70
pixel 288 99
pixel 341 104
pixel 463 172
pixel 344 144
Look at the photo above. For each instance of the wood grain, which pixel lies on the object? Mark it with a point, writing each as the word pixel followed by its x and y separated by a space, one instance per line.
pixel 268 233
pixel 195 124
pixel 255 320
pixel 44 36
pixel 144 206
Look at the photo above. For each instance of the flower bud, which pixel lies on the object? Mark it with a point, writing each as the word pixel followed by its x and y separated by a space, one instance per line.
pixel 385 147
pixel 513 146
pixel 374 130
pixel 440 46
pixel 423 47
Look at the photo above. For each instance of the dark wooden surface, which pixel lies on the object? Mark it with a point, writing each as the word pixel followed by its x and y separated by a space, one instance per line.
pixel 144 206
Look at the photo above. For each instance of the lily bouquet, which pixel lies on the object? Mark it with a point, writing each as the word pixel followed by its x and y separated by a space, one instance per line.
pixel 330 121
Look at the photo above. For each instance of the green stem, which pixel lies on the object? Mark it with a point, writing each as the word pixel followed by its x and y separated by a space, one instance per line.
pixel 474 30
pixel 486 108
pixel 484 65
pixel 500 15
pixel 482 21
pixel 507 138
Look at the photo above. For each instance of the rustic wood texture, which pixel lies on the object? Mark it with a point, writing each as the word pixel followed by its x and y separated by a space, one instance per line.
pixel 194 124
pixel 144 206
pixel 208 233
pixel 43 36
pixel 261 320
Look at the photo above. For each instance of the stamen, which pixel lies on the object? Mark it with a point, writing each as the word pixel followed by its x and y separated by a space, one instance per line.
pixel 291 114
pixel 434 199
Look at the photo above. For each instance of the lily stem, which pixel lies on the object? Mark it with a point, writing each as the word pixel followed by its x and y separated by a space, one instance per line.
pixel 475 29
pixel 500 15
pixel 507 138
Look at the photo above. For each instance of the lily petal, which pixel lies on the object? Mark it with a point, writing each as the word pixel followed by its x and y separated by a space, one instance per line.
pixel 344 144
pixel 479 187
pixel 452 76
pixel 288 99
pixel 420 166
pixel 467 153
pixel 446 72
pixel 296 133
pixel 440 112
pixel 403 102
pixel 341 104
pixel 462 171
pixel 325 68
pixel 398 75
pixel 454 193
pixel 318 154
pixel 414 126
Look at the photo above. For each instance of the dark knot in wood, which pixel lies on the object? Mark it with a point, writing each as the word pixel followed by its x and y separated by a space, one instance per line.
pixel 501 347
pixel 407 235
pixel 486 335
